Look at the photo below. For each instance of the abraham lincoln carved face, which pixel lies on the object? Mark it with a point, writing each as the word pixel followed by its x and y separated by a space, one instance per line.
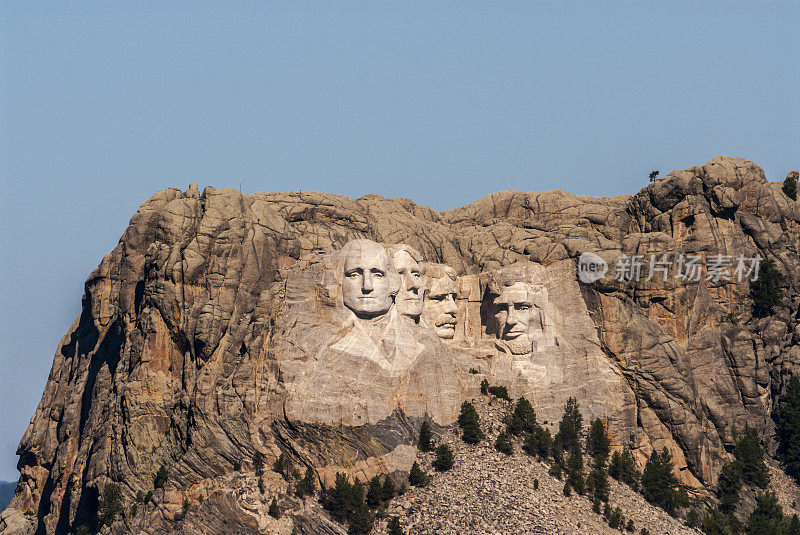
pixel 514 314
pixel 370 281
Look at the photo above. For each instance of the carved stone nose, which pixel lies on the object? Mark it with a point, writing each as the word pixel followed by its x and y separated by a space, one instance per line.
pixel 366 285
pixel 512 318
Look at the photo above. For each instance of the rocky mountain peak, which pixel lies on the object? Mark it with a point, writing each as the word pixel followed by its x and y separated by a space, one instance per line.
pixel 226 327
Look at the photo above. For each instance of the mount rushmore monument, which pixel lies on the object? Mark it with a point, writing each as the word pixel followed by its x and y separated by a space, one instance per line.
pixel 326 329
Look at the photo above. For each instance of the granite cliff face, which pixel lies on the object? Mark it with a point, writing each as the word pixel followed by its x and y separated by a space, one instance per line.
pixel 215 330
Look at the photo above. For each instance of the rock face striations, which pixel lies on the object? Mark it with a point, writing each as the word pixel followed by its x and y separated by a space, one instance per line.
pixel 225 328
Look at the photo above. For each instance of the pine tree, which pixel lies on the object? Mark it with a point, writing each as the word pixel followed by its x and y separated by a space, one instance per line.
pixel 718 523
pixel 394 526
pixel 596 506
pixel 575 475
pixel 794 526
pixel 692 519
pixel 444 458
pixel 539 442
pixel 500 392
pixel 766 291
pixel 375 492
pixel 424 442
pixel 274 511
pixel 282 465
pixel 305 487
pixel 258 463
pixel 557 450
pixel 523 420
pixel 788 427
pixel 567 490
pixel 339 500
pixel 597 481
pixel 503 443
pixel 356 494
pixel 470 423
pixel 750 455
pixel 598 443
pixel 361 520
pixel 623 469
pixel 389 490
pixel 417 476
pixel 730 482
pixel 571 425
pixel 110 503
pixel 615 467
pixel 790 185
pixel 556 471
pixel 660 486
pixel 616 519
pixel 161 477
pixel 485 387
pixel 766 517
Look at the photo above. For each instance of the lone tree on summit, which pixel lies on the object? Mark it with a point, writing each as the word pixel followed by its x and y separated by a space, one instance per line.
pixel 790 185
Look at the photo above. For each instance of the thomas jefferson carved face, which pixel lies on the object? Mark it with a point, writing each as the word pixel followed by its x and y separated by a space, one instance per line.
pixel 515 317
pixel 440 300
pixel 370 280
pixel 412 288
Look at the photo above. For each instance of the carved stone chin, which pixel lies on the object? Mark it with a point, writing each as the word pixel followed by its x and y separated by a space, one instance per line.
pixel 520 346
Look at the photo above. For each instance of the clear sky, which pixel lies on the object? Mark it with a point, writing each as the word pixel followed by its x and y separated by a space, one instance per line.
pixel 103 103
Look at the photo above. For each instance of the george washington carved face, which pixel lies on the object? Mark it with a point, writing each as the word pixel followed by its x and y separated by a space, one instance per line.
pixel 370 281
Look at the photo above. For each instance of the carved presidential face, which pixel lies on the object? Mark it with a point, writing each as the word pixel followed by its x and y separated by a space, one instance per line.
pixel 367 287
pixel 440 305
pixel 412 289
pixel 515 317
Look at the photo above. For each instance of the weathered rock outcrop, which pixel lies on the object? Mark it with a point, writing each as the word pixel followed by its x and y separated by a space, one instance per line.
pixel 214 331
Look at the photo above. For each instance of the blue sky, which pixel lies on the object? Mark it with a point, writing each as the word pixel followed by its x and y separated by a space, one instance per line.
pixel 103 103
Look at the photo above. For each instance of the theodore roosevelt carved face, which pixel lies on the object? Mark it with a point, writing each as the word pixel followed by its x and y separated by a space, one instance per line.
pixel 370 281
pixel 412 275
pixel 440 300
